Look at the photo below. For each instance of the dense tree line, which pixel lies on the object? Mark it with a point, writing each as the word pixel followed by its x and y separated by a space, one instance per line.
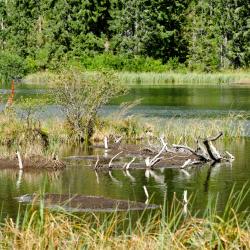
pixel 203 34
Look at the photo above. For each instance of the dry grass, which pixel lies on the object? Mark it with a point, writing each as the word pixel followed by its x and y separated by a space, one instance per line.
pixel 168 228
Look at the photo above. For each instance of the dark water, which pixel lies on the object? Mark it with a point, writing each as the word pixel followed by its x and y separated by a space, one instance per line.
pixel 204 183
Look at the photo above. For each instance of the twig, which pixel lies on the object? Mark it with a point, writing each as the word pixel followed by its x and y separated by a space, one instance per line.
pixel 97 161
pixel 106 142
pixel 146 193
pixel 151 163
pixel 19 160
pixel 127 165
pixel 110 162
pixel 186 163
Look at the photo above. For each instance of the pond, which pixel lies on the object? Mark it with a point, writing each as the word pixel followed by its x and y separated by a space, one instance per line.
pixel 158 102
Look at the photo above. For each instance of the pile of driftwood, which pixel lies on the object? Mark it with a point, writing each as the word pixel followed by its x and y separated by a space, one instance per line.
pixel 158 156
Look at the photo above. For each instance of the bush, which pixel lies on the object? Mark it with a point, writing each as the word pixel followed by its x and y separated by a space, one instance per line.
pixel 108 61
pixel 80 96
pixel 11 66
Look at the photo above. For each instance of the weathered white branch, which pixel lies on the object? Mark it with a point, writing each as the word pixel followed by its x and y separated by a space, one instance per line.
pixel 212 151
pixel 110 162
pixel 215 137
pixel 20 163
pixel 186 163
pixel 155 159
pixel 106 142
pixel 127 165
pixel 230 156
pixel 201 156
pixel 117 140
pixel 146 193
pixel 96 163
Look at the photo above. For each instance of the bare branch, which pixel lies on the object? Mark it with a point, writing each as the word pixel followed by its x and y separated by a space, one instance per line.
pixel 114 158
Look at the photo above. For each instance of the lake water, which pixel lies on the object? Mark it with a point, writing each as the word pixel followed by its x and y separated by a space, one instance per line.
pixel 157 102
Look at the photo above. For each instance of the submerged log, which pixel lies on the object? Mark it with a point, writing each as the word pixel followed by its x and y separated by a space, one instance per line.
pixel 81 203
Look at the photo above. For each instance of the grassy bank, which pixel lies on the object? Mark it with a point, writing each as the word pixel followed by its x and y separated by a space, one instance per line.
pixel 47 136
pixel 166 78
pixel 171 227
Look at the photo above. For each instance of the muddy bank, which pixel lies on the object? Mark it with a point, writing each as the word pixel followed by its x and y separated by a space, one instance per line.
pixel 32 163
pixel 83 203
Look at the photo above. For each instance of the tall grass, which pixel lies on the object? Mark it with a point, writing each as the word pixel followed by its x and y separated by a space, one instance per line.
pixel 168 228
pixel 189 78
pixel 165 78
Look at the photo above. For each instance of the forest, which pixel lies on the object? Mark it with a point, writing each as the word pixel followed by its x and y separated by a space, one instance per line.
pixel 134 35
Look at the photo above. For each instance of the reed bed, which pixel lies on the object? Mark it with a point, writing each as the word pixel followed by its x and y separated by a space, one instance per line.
pixel 170 227
pixel 166 78
pixel 190 78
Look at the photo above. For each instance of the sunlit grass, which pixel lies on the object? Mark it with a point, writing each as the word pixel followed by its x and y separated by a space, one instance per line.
pixel 166 78
pixel 148 78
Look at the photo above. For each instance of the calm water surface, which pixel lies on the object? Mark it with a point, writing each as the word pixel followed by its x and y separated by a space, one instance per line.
pixel 161 102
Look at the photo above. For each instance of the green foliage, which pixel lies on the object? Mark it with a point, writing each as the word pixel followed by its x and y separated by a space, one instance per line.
pixel 108 61
pixel 219 34
pixel 11 66
pixel 149 28
pixel 205 35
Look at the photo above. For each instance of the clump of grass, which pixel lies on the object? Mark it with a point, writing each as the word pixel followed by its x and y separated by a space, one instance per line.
pixel 16 134
pixel 169 227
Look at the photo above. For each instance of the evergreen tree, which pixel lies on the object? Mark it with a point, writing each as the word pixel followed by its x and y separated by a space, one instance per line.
pixel 150 28
pixel 219 35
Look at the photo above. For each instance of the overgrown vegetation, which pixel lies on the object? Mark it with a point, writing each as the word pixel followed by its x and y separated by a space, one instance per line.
pixel 172 227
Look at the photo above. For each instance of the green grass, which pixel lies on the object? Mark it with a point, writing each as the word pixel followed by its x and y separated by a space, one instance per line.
pixel 189 78
pixel 170 227
pixel 166 78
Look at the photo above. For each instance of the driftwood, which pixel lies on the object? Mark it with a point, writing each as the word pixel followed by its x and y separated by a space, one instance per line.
pixel 154 156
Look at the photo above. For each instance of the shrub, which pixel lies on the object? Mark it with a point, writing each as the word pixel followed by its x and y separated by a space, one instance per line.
pixel 11 66
pixel 80 96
